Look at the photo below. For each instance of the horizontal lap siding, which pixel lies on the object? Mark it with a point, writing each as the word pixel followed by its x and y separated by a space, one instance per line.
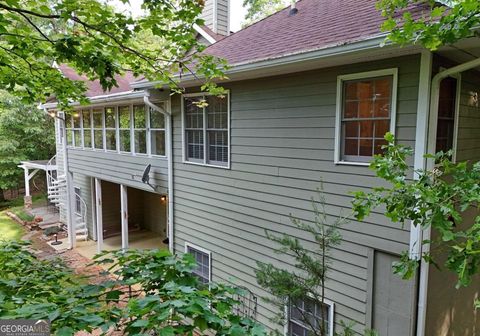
pixel 282 145
pixel 119 168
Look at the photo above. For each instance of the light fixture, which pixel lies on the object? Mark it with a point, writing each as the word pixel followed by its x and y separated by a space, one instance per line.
pixel 163 198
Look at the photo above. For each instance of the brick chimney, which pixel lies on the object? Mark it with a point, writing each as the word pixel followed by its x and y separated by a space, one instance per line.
pixel 216 16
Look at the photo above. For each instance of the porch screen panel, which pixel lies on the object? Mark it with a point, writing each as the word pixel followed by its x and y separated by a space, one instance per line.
pixel 111 128
pixel 194 129
pixel 446 114
pixel 77 129
pixel 98 128
pixel 140 129
pixel 157 132
pixel 69 128
pixel 87 128
pixel 124 122
pixel 217 129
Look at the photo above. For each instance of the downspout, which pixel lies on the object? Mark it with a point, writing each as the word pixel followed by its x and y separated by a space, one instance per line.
pixel 169 152
pixel 429 164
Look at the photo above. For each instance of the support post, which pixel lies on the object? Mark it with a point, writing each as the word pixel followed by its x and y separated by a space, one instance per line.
pixel 98 208
pixel 27 200
pixel 124 215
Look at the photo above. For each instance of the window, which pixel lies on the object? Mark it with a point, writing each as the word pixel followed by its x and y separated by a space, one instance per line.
pixel 77 130
pixel 365 113
pixel 97 117
pixel 87 128
pixel 124 121
pixel 78 204
pixel 69 127
pixel 140 129
pixel 303 315
pixel 447 108
pixel 111 128
pixel 206 129
pixel 157 132
pixel 202 258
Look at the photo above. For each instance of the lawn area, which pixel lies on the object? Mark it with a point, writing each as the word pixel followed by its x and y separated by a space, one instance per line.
pixel 9 229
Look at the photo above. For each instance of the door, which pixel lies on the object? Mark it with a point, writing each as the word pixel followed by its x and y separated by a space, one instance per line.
pixel 393 302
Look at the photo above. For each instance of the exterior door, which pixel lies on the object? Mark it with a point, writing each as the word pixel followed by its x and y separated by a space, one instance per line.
pixel 393 302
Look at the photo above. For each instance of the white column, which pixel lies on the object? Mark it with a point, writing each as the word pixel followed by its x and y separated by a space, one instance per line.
pixel 27 181
pixel 124 215
pixel 98 208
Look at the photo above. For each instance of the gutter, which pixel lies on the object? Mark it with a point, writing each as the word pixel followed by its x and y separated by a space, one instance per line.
pixel 169 148
pixel 114 97
pixel 297 57
pixel 429 164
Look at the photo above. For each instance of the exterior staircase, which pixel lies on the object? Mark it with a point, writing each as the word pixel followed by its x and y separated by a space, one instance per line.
pixel 57 188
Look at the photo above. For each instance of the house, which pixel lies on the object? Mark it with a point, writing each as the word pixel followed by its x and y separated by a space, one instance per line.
pixel 311 93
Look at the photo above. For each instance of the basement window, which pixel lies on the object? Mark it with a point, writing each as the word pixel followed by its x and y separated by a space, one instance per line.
pixel 203 260
pixel 307 315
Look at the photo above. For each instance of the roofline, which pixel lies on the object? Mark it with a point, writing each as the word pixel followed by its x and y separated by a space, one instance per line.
pixel 297 57
pixel 202 32
pixel 103 99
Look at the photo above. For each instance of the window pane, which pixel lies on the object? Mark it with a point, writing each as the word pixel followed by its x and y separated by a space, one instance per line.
pixel 351 147
pixel 383 88
pixel 97 118
pixel 381 108
pixel 111 137
pixel 202 269
pixel 366 147
pixel 365 109
pixel 351 90
pixel 365 90
pixel 78 138
pixel 140 142
pixel 194 144
pixel 351 129
pixel 157 119
pixel 125 140
pixel 86 119
pixel 218 146
pixel 351 110
pixel 124 116
pixel 193 113
pixel 110 117
pixel 87 138
pixel 158 142
pixel 366 129
pixel 296 330
pixel 381 128
pixel 98 138
pixel 76 120
pixel 69 137
pixel 139 116
pixel 217 112
pixel 68 120
pixel 378 146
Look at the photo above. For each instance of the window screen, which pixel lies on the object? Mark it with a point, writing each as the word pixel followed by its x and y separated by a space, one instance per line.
pixel 203 264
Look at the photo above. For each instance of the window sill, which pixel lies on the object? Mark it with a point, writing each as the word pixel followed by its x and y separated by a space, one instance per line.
pixel 227 166
pixel 353 163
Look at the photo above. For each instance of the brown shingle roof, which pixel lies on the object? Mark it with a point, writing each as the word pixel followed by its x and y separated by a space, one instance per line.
pixel 93 87
pixel 317 24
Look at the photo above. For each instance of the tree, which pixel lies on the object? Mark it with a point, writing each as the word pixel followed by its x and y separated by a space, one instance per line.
pixel 259 9
pixel 26 133
pixel 445 23
pixel 149 292
pixel 308 279
pixel 438 199
pixel 95 40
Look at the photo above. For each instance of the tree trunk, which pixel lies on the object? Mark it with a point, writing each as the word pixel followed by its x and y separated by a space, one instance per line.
pixel 2 196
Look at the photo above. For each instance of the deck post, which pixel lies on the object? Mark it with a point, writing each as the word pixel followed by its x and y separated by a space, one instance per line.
pixel 124 215
pixel 99 216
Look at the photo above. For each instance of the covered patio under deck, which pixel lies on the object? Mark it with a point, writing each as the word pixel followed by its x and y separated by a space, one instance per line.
pixel 31 168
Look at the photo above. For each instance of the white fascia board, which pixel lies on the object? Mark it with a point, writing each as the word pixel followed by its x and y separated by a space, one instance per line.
pixel 289 59
pixel 114 97
pixel 204 34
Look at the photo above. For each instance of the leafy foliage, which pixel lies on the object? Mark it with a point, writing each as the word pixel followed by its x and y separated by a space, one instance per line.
pixel 443 24
pixel 439 199
pixel 311 266
pixel 98 41
pixel 150 292
pixel 259 9
pixel 26 133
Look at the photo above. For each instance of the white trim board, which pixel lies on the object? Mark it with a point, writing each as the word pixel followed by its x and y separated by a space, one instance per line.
pixel 339 108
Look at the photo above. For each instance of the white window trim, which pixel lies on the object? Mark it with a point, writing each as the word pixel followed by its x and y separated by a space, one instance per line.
pixel 184 148
pixel 331 316
pixel 339 108
pixel 201 249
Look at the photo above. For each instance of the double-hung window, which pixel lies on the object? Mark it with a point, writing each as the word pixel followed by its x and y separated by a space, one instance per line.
pixel 87 128
pixel 157 132
pixel 111 128
pixel 98 128
pixel 206 129
pixel 77 129
pixel 203 260
pixel 365 113
pixel 124 124
pixel 140 129
pixel 307 315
